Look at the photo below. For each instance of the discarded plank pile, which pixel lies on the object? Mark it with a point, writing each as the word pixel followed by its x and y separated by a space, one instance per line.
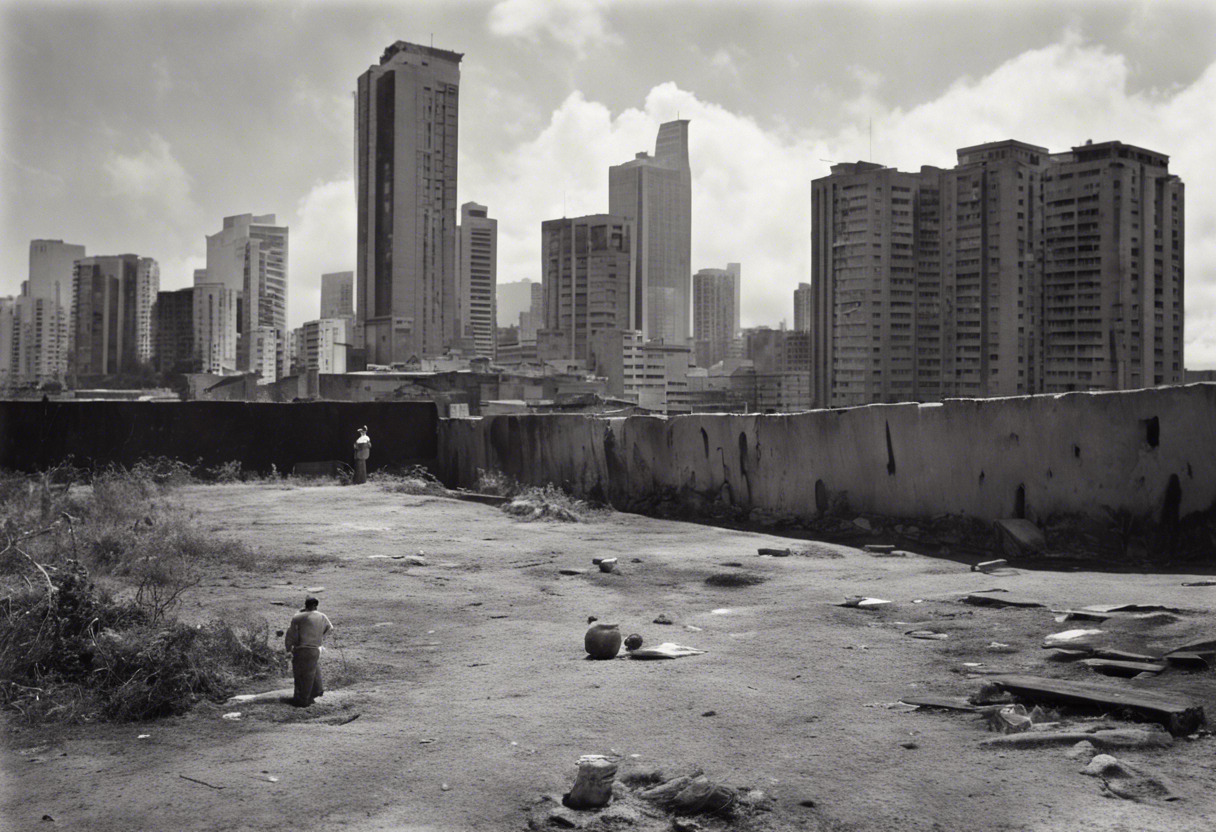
pixel 1177 714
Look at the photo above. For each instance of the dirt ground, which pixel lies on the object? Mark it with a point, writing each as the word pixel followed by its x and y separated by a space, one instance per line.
pixel 474 697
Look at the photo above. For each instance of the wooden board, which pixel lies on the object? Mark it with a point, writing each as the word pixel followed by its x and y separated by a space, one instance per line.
pixel 1114 667
pixel 949 703
pixel 1002 600
pixel 1178 714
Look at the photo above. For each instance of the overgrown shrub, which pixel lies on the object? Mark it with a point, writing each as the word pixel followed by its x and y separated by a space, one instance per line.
pixel 548 502
pixel 70 653
pixel 415 479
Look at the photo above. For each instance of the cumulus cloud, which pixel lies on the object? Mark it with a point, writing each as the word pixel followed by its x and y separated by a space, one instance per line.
pixel 576 24
pixel 153 184
pixel 751 182
pixel 322 240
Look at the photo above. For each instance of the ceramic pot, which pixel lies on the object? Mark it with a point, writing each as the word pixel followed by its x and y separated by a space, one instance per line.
pixel 603 641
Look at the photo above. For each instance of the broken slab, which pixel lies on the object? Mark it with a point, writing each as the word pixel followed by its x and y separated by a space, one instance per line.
pixel 1111 738
pixel 1192 660
pixel 774 553
pixel 976 599
pixel 879 548
pixel 1203 645
pixel 1020 537
pixel 1066 637
pixel 666 650
pixel 864 602
pixel 1130 608
pixel 945 703
pixel 1177 714
pixel 1113 667
pixel 990 565
pixel 1080 615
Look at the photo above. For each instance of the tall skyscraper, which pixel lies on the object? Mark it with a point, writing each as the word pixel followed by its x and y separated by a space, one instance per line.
pixel 173 331
pixel 8 343
pixel 324 345
pixel 112 313
pixel 477 277
pixel 1014 272
pixel 1113 272
pixel 656 193
pixel 802 308
pixel 588 267
pixel 534 318
pixel 249 256
pixel 405 158
pixel 215 315
pixel 338 295
pixel 45 311
pixel 715 304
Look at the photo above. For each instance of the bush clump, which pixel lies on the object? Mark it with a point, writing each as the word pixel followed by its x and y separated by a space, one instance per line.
pixel 412 480
pixel 548 502
pixel 68 652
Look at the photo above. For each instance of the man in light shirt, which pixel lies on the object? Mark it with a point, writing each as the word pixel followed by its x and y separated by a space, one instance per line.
pixel 304 639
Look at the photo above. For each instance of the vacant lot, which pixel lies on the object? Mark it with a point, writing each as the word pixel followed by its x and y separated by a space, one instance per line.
pixel 473 696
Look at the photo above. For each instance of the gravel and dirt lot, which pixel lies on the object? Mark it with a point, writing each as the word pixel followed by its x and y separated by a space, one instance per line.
pixel 472 696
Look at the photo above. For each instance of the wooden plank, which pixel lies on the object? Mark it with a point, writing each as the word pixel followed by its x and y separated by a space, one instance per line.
pixel 948 703
pixel 1178 714
pixel 1114 667
pixel 1115 738
pixel 1002 600
pixel 1200 646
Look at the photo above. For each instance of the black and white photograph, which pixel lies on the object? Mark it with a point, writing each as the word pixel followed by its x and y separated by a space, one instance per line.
pixel 608 415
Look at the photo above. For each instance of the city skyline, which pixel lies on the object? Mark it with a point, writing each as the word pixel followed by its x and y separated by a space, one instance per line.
pixel 537 149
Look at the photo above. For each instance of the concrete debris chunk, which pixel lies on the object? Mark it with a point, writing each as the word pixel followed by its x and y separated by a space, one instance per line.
pixel 1020 537
pixel 1130 782
pixel 1069 636
pixel 1112 667
pixel 1083 750
pixel 864 602
pixel 1177 714
pixel 593 783
pixel 990 565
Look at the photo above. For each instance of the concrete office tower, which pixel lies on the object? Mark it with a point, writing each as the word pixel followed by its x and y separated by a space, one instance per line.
pixel 802 308
pixel 656 193
pixel 589 267
pixel 173 331
pixel 477 278
pixel 1113 270
pixel 215 314
pixel 323 345
pixel 45 333
pixel 112 313
pixel 534 318
pixel 266 354
pixel 8 343
pixel 405 160
pixel 715 304
pixel 249 256
pixel 338 295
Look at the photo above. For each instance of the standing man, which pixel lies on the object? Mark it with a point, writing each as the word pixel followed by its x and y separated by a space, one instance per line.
pixel 304 639
pixel 363 449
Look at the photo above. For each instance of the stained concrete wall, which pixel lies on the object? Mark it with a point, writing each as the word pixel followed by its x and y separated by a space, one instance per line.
pixel 1070 453
pixel 38 435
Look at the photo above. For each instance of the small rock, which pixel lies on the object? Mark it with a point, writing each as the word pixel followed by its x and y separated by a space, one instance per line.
pixel 444 787
pixel 909 745
pixel 563 818
pixel 807 802
pixel 1101 764
pixel 47 817
pixel 710 713
pixel 863 523
pixel 1001 647
pixel 1082 750
pixel 314 588
pixel 663 618
pixel 621 813
pixel 682 825
pixel 633 641
pixel 636 560
pixel 415 560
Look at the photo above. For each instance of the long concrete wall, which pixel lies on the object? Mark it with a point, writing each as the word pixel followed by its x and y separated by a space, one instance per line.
pixel 1149 452
pixel 38 435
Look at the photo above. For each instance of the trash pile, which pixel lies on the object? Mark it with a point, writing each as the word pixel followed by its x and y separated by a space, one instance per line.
pixel 647 800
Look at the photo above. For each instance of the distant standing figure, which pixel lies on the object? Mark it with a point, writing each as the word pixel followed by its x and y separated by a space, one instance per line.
pixel 304 639
pixel 363 449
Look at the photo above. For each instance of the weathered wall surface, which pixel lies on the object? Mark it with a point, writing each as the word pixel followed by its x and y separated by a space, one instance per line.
pixel 36 435
pixel 1071 453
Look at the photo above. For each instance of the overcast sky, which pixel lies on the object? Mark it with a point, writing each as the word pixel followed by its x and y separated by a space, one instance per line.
pixel 135 127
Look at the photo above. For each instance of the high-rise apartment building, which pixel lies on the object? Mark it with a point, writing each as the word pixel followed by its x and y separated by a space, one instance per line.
pixel 405 157
pixel 324 344
pixel 8 343
pixel 802 308
pixel 173 331
pixel 249 256
pixel 112 301
pixel 534 318
pixel 656 193
pixel 589 273
pixel 715 304
pixel 338 295
pixel 988 280
pixel 45 311
pixel 215 316
pixel 477 278
pixel 1112 303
